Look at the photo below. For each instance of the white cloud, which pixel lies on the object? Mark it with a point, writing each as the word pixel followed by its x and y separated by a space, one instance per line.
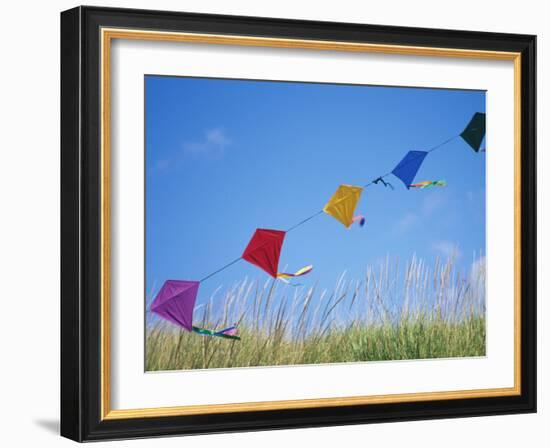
pixel 408 221
pixel 432 202
pixel 447 248
pixel 217 137
pixel 212 145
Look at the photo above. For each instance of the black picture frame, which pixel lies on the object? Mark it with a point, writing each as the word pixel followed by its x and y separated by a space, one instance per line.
pixel 81 226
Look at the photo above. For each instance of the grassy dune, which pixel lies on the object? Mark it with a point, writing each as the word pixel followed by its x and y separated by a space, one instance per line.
pixel 391 314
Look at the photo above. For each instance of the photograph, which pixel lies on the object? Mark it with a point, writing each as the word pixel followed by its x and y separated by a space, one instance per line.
pixel 294 223
pixel 276 223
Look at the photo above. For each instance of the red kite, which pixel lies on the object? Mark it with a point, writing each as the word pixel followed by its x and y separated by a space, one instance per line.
pixel 264 250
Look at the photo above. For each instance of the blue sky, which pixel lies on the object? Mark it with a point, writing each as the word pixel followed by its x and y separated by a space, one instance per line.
pixel 224 157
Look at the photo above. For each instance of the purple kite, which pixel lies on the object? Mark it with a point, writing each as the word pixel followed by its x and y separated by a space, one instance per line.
pixel 175 302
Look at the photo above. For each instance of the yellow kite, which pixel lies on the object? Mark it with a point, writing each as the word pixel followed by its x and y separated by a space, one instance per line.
pixel 342 204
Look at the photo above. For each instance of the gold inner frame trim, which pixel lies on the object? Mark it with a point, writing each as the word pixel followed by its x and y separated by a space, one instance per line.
pixel 107 35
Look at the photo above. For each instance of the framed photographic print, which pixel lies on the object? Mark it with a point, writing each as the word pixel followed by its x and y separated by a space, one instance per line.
pixel 273 223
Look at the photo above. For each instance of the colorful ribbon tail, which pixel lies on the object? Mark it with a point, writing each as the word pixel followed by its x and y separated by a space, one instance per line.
pixel 429 183
pixel 230 331
pixel 360 219
pixel 220 334
pixel 420 185
pixel 305 270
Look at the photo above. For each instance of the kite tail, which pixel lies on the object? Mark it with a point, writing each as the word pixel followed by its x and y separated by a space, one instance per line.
pixel 227 333
pixel 230 331
pixel 305 270
pixel 429 183
pixel 360 219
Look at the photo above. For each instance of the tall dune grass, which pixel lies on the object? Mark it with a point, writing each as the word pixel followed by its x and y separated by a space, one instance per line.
pixel 393 313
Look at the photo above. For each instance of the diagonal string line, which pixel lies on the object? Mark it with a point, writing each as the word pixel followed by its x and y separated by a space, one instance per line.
pixel 433 148
pixel 220 269
pixel 314 215
pixel 412 159
pixel 303 221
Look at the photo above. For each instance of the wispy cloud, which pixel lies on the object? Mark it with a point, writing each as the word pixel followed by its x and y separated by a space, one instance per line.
pixel 408 221
pixel 447 248
pixel 160 165
pixel 212 145
pixel 432 203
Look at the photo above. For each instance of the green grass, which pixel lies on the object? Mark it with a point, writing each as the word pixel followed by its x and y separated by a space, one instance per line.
pixel 388 315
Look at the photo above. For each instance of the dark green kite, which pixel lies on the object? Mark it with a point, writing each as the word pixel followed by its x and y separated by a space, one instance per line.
pixel 475 131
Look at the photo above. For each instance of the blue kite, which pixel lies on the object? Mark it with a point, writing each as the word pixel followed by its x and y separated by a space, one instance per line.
pixel 408 167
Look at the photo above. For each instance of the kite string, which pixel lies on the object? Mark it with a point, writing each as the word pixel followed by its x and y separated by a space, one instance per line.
pixel 303 221
pixel 314 215
pixel 412 159
pixel 220 269
pixel 443 143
